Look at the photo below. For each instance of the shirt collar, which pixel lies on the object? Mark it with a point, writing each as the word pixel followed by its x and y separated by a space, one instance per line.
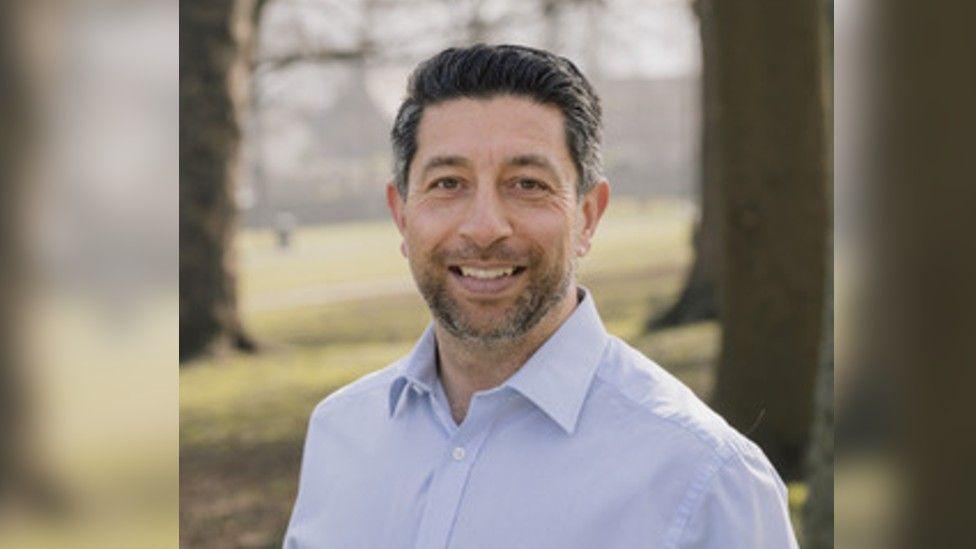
pixel 419 368
pixel 556 378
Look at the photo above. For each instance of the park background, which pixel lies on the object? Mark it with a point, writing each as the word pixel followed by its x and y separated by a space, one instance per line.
pixel 714 257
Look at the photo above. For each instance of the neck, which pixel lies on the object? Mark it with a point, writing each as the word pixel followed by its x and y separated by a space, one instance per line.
pixel 466 367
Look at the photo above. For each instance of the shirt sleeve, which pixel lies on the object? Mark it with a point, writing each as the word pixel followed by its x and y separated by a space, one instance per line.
pixel 308 499
pixel 744 506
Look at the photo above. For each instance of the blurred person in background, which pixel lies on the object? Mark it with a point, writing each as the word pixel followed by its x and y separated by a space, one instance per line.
pixel 517 420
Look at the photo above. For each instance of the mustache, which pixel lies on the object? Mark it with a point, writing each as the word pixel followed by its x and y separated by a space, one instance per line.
pixel 499 252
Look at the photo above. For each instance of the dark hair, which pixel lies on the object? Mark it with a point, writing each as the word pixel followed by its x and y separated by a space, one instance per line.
pixel 482 71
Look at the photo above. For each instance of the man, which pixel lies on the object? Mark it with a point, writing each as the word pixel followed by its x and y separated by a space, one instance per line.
pixel 517 421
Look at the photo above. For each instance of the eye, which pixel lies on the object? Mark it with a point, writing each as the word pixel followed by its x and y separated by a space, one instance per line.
pixel 446 183
pixel 526 184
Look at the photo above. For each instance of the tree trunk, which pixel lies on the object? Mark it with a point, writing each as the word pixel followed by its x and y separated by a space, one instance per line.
pixel 15 140
pixel 818 513
pixel 922 264
pixel 216 41
pixel 773 220
pixel 698 300
pixel 25 482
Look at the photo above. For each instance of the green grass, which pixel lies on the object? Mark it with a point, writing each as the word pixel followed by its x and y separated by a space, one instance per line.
pixel 243 417
pixel 319 255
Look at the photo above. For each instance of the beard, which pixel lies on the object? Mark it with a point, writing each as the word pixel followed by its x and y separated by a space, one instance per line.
pixel 547 286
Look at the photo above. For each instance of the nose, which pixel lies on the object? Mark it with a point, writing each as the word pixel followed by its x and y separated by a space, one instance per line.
pixel 486 220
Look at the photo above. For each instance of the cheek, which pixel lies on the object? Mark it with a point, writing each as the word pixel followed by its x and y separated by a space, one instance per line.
pixel 552 234
pixel 427 229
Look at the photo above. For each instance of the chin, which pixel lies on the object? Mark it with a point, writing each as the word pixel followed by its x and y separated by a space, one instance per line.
pixel 494 328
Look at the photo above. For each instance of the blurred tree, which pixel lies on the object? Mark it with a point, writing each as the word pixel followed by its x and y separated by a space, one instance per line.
pixel 552 15
pixel 15 138
pixel 698 300
pixel 24 479
pixel 818 512
pixel 216 43
pixel 476 26
pixel 773 217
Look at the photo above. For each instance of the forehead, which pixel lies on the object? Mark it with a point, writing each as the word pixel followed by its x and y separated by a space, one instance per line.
pixel 492 130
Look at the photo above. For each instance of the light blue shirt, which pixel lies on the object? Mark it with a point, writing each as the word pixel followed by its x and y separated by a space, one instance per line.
pixel 589 445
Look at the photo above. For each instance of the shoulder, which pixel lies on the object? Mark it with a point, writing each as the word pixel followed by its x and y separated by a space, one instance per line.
pixel 740 504
pixel 726 478
pixel 370 391
pixel 655 397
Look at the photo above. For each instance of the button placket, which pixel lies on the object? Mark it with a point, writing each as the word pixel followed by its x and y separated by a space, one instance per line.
pixel 450 478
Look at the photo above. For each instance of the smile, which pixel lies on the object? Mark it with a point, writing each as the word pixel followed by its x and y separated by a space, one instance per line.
pixel 486 280
pixel 483 274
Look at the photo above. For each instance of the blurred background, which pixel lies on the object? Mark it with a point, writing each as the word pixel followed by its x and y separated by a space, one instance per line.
pixel 713 258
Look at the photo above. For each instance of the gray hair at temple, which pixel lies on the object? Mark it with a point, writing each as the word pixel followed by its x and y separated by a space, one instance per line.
pixel 483 72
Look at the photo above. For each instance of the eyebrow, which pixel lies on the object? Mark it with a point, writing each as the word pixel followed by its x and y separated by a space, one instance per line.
pixel 444 161
pixel 531 160
pixel 455 161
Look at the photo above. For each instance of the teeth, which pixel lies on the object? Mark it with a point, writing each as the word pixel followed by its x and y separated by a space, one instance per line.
pixel 486 273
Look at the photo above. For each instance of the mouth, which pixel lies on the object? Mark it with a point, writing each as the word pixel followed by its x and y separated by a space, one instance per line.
pixel 486 280
pixel 481 273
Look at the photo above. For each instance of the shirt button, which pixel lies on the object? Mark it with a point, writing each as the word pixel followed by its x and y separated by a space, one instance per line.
pixel 458 453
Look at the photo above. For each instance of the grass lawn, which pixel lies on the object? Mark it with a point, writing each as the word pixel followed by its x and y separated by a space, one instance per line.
pixel 243 418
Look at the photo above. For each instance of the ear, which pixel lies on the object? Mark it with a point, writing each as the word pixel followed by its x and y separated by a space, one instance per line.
pixel 592 206
pixel 396 204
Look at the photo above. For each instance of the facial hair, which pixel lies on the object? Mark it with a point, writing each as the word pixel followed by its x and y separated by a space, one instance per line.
pixel 546 288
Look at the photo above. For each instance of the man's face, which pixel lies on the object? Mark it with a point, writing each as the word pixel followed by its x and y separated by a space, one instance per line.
pixel 491 224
